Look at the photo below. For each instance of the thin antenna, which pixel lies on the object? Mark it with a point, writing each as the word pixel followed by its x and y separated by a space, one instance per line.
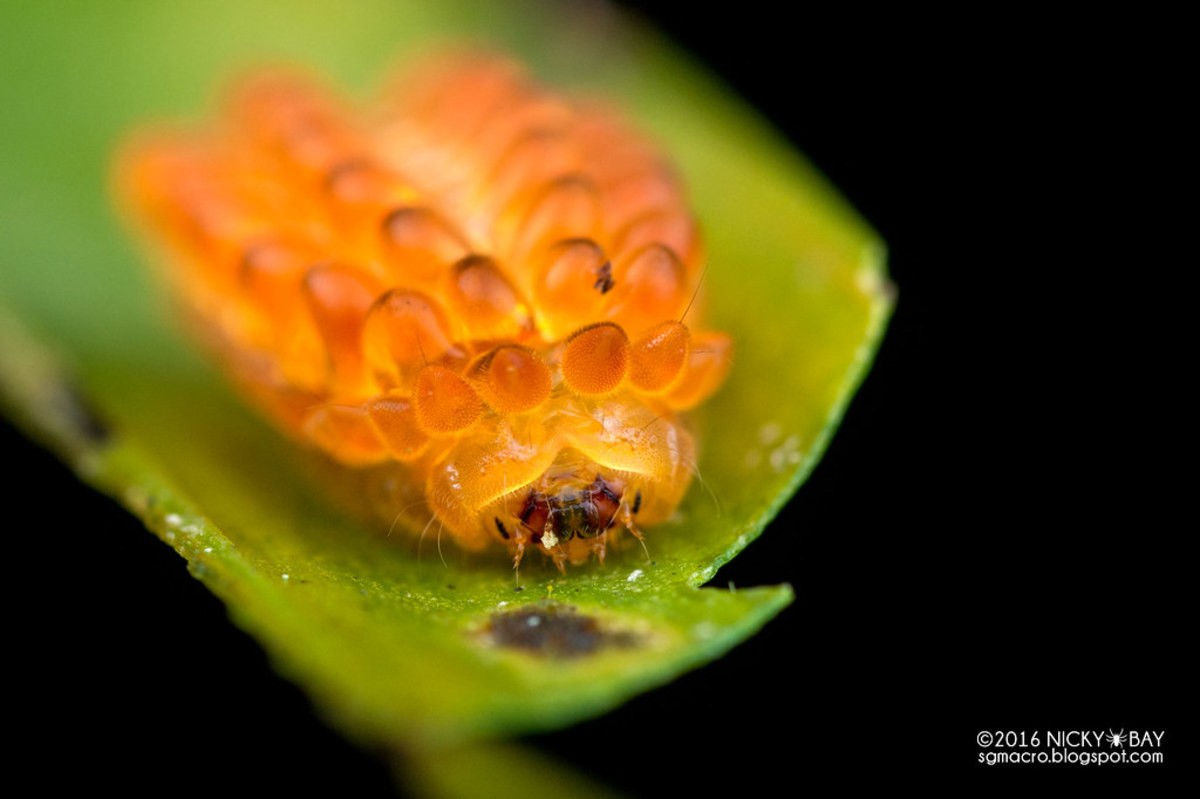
pixel 695 293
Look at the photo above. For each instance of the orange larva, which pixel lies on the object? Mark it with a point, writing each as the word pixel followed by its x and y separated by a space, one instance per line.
pixel 478 283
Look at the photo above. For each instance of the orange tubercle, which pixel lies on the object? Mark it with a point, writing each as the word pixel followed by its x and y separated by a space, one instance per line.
pixel 596 358
pixel 395 419
pixel 512 379
pixel 659 357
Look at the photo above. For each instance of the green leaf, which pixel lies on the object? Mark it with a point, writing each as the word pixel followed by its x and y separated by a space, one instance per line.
pixel 397 648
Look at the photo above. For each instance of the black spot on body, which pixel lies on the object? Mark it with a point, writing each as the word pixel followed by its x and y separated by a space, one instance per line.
pixel 604 279
pixel 500 528
pixel 548 629
pixel 637 502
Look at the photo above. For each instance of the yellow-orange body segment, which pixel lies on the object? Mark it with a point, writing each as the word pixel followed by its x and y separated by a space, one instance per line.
pixel 477 282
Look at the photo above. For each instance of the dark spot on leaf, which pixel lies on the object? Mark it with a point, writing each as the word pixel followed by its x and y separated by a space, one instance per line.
pixel 519 588
pixel 550 629
pixel 68 405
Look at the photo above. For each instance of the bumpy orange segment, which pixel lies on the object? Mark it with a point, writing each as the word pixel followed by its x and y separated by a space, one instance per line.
pixel 595 359
pixel 660 357
pixel 512 379
pixel 476 283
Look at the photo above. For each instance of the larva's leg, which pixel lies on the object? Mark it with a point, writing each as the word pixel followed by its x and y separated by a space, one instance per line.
pixel 520 554
pixel 627 520
pixel 559 555
pixel 598 545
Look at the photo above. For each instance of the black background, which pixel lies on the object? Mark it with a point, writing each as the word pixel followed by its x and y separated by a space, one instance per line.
pixel 992 542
